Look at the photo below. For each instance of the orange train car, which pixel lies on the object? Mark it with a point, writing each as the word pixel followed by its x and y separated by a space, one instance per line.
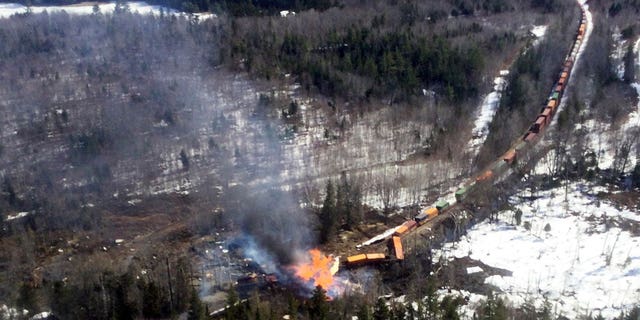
pixel 547 115
pixel 530 136
pixel 562 80
pixel 485 176
pixel 510 156
pixel 396 248
pixel 426 215
pixel 405 227
pixel 539 124
pixel 365 258
pixel 552 104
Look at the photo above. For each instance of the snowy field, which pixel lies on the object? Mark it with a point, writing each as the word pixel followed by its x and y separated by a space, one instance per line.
pixel 9 9
pixel 583 261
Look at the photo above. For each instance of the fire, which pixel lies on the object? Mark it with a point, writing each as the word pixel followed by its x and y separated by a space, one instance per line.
pixel 319 269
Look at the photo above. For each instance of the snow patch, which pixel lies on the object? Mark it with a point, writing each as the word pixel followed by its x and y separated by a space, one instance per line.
pixel 473 270
pixel 487 111
pixel 570 252
pixel 18 215
pixel 141 7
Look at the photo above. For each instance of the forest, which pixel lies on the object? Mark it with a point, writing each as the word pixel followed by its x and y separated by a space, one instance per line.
pixel 133 146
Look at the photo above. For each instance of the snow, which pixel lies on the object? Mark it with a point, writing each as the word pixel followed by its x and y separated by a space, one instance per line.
pixel 472 270
pixel 539 31
pixel 582 262
pixel 11 313
pixel 604 138
pixel 634 117
pixel 18 215
pixel 472 299
pixel 491 102
pixel 485 114
pixel 617 53
pixel 8 9
pixel 41 315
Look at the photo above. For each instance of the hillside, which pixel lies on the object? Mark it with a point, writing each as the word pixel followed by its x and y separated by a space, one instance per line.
pixel 143 153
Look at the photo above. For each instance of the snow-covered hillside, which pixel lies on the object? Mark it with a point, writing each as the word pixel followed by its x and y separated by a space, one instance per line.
pixel 141 7
pixel 572 248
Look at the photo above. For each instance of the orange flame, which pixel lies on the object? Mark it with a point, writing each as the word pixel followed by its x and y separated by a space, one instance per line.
pixel 320 269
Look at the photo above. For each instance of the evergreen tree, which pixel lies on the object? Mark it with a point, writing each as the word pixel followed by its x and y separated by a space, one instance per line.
pixel 184 159
pixel 318 306
pixel 381 311
pixel 152 301
pixel 196 309
pixel 27 298
pixel 364 313
pixel 493 308
pixel 233 307
pixel 399 312
pixel 328 219
pixel 449 308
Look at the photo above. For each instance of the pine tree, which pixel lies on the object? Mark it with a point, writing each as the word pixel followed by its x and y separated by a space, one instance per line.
pixel 399 311
pixel 381 311
pixel 328 219
pixel 27 299
pixel 449 308
pixel 319 308
pixel 234 310
pixel 364 313
pixel 196 309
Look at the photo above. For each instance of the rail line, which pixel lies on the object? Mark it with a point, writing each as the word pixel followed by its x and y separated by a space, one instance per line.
pixel 492 172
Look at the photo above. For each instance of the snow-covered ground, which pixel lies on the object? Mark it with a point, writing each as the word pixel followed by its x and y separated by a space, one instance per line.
pixel 9 9
pixel 486 112
pixel 583 261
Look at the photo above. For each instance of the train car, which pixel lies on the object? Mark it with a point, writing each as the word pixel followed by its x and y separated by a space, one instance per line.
pixel 441 205
pixel 564 75
pixel 396 248
pixel 510 156
pixel 426 215
pixel 499 167
pixel 582 29
pixel 559 88
pixel 568 63
pixel 461 193
pixel 485 176
pixel 405 227
pixel 552 104
pixel 547 113
pixel 376 257
pixel 539 124
pixel 530 136
pixel 365 258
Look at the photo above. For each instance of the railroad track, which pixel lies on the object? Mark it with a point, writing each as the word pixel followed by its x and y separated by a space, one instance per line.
pixel 434 215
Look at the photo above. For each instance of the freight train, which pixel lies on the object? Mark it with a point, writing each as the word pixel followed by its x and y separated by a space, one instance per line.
pixel 498 167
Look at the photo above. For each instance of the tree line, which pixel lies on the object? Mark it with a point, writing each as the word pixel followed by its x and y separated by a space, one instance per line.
pixel 395 63
pixel 233 7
